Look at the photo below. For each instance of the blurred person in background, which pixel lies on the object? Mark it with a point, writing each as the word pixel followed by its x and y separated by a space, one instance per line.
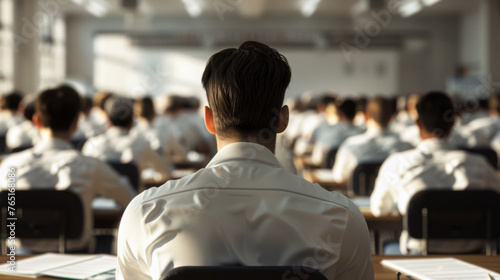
pixel 117 144
pixel 332 136
pixel 9 106
pixel 24 134
pixel 87 126
pixel 374 145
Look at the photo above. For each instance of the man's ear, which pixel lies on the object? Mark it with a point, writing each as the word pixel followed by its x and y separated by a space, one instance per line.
pixel 36 121
pixel 209 120
pixel 284 117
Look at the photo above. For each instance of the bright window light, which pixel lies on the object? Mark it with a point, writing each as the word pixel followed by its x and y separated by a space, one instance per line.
pixel 192 7
pixel 309 7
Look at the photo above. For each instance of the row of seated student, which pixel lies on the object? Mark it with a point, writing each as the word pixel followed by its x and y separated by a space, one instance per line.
pixel 320 125
pixel 244 207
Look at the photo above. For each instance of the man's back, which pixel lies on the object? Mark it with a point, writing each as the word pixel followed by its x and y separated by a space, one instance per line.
pixel 243 209
pixel 55 164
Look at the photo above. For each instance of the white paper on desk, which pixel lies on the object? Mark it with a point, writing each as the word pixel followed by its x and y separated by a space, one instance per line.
pixel 104 203
pixel 439 268
pixel 35 266
pixel 85 269
pixel 361 201
pixel 323 175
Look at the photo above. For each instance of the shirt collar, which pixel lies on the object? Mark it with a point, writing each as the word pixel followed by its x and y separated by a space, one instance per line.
pixel 52 144
pixel 244 151
pixel 433 144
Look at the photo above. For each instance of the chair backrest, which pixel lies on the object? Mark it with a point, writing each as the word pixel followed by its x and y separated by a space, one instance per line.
pixel 243 273
pixel 330 158
pixel 363 178
pixel 43 214
pixel 20 148
pixel 3 144
pixel 489 154
pixel 448 214
pixel 129 170
pixel 78 143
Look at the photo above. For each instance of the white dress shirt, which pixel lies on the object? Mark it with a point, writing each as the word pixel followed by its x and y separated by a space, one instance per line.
pixel 375 145
pixel 331 137
pixel 434 164
pixel 22 135
pixel 479 132
pixel 117 144
pixel 8 120
pixel 242 208
pixel 55 164
pixel 87 128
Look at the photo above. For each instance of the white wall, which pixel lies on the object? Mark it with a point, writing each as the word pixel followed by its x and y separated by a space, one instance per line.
pixel 123 68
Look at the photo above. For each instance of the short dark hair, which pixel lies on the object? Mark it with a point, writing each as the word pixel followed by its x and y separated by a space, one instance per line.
pixel 29 111
pixel 436 112
pixel 145 108
pixel 120 111
pixel 57 108
pixel 348 108
pixel 11 101
pixel 245 87
pixel 380 110
pixel 87 104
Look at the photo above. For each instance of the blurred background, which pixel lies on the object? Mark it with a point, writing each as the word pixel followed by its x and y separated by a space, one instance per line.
pixel 349 47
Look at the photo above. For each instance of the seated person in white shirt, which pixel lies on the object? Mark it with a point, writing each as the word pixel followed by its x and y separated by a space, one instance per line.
pixel 164 143
pixel 118 145
pixel 243 208
pixel 25 134
pixel 433 164
pixel 375 145
pixel 9 105
pixel 87 126
pixel 53 163
pixel 332 136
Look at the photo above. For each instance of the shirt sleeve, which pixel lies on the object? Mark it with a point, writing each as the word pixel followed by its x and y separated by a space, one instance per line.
pixel 130 245
pixel 381 199
pixel 355 260
pixel 109 184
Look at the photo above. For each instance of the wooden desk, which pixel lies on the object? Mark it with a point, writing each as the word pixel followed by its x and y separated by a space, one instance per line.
pixel 324 178
pixel 381 272
pixel 384 273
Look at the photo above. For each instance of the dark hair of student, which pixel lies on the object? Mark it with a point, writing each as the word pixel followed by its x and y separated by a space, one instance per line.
pixel 29 110
pixel 57 108
pixel 120 111
pixel 348 108
pixel 11 101
pixel 435 111
pixel 145 108
pixel 87 104
pixel 380 110
pixel 245 88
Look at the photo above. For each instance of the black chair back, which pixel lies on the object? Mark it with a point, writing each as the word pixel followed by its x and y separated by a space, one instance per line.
pixel 3 144
pixel 488 153
pixel 363 178
pixel 129 170
pixel 20 148
pixel 330 158
pixel 43 214
pixel 448 214
pixel 243 273
pixel 78 143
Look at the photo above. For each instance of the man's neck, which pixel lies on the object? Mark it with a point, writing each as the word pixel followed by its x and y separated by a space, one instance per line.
pixel 46 133
pixel 222 142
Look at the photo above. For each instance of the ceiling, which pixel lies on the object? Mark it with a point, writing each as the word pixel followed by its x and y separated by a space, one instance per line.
pixel 257 8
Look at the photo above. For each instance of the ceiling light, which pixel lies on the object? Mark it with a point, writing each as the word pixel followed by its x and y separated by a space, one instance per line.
pixel 97 8
pixel 409 8
pixel 192 7
pixel 309 7
pixel 430 2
